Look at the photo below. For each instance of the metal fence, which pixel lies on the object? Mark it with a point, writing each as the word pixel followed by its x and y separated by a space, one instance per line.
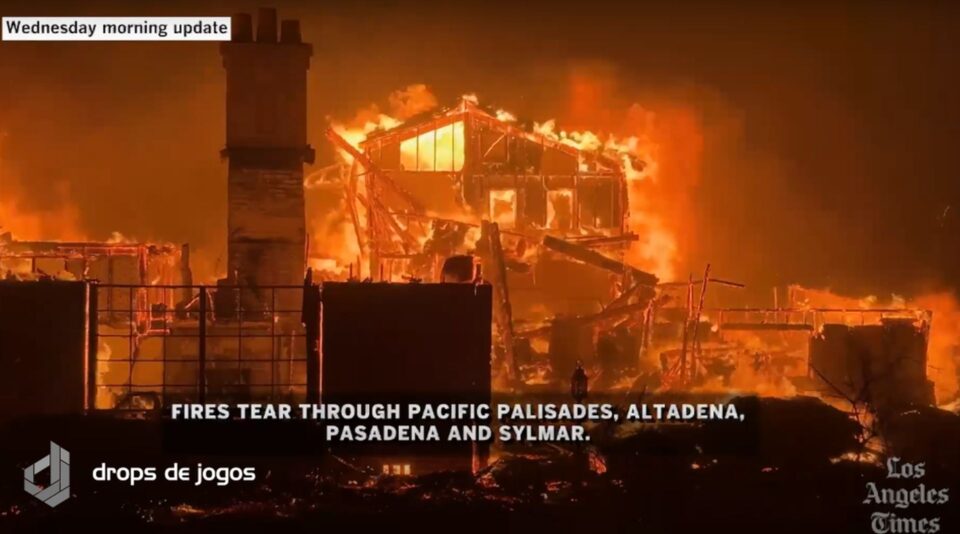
pixel 161 344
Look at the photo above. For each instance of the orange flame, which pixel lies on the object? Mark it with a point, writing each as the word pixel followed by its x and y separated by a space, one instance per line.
pixel 659 153
pixel 943 349
pixel 59 224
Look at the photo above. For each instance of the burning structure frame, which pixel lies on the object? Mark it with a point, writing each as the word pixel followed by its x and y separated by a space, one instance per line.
pixel 548 221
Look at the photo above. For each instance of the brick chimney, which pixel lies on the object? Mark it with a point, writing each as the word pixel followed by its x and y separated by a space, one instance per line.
pixel 266 148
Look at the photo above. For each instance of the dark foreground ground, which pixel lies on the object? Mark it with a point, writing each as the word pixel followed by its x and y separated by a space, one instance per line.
pixel 794 469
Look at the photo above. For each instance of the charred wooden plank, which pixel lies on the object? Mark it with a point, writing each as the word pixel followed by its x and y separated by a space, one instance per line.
pixel 609 313
pixel 596 259
pixel 597 241
pixel 766 326
pixel 492 251
pixel 373 169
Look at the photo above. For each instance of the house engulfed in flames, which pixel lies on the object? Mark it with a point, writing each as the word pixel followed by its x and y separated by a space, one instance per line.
pixel 460 194
pixel 547 219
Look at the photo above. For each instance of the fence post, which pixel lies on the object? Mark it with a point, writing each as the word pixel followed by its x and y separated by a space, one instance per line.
pixel 92 345
pixel 310 315
pixel 202 352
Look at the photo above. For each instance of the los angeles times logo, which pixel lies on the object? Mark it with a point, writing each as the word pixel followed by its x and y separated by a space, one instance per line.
pixel 58 462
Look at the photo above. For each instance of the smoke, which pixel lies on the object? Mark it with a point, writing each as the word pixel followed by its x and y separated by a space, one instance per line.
pixel 400 106
pixel 333 236
pixel 98 143
pixel 598 113
pixel 665 130
pixel 58 220
pixel 410 101
pixel 943 350
pixel 783 167
pixel 943 347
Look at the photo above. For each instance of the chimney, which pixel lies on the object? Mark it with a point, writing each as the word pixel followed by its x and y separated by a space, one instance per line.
pixel 290 31
pixel 266 146
pixel 267 25
pixel 241 28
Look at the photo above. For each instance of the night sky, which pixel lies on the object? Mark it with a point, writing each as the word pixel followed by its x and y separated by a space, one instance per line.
pixel 830 131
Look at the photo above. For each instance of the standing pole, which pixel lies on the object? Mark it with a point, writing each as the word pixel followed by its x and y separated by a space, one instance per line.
pixel 3 136
pixel 686 329
pixel 202 353
pixel 492 252
pixel 696 319
pixel 92 288
pixel 310 316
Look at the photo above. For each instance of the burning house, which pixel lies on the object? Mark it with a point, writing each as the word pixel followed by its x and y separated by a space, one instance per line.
pixel 151 336
pixel 546 218
pixel 155 337
pixel 449 312
pixel 431 180
pixel 463 194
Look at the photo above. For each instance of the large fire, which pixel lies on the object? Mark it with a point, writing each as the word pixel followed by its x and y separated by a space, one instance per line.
pixel 639 141
pixel 659 151
pixel 944 337
pixel 640 154
pixel 402 104
pixel 61 223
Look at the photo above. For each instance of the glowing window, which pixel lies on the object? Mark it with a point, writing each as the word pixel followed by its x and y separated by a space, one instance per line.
pixel 560 209
pixel 503 207
pixel 435 150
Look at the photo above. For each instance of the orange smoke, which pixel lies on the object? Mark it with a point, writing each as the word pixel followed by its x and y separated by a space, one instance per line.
pixel 667 136
pixel 401 105
pixel 660 204
pixel 334 240
pixel 333 243
pixel 659 149
pixel 59 224
pixel 943 349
